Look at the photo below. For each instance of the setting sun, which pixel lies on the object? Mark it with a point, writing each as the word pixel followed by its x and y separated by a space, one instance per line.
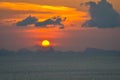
pixel 45 43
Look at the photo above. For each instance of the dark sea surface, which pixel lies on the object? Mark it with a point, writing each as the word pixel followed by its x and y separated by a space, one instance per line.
pixel 60 67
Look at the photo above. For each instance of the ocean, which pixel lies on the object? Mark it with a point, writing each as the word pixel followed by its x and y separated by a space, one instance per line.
pixel 60 67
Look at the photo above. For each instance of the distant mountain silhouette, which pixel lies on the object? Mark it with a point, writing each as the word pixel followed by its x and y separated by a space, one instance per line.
pixel 50 50
pixel 6 52
pixel 99 51
pixel 45 50
pixel 24 51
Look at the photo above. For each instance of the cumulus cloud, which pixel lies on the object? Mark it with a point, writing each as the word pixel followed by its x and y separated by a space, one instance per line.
pixel 55 21
pixel 103 15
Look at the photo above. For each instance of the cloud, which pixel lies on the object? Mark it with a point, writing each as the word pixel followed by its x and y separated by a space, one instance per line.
pixel 52 21
pixel 27 21
pixel 103 15
pixel 15 11
pixel 43 24
pixel 33 7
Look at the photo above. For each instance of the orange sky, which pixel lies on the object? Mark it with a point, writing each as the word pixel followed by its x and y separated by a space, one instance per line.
pixel 68 3
pixel 12 11
pixel 73 16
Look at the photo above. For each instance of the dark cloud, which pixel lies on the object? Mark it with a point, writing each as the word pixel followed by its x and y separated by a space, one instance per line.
pixel 27 21
pixel 51 21
pixel 103 15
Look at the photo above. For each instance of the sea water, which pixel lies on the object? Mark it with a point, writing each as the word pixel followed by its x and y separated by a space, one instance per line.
pixel 60 67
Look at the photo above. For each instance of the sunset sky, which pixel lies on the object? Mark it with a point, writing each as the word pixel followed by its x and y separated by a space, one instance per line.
pixel 73 37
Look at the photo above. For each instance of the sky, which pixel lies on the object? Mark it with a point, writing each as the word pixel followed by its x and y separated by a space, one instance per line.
pixel 83 24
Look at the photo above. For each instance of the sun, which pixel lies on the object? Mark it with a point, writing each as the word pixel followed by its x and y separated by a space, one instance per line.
pixel 45 43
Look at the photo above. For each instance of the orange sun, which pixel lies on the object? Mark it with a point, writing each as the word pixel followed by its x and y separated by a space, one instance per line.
pixel 45 43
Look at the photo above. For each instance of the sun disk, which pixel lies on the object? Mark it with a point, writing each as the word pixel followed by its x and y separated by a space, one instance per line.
pixel 45 43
